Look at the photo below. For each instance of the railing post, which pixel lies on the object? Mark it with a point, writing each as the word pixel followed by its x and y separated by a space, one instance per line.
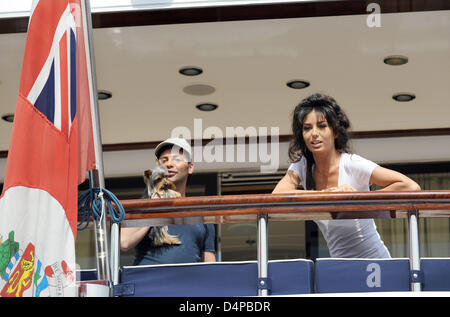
pixel 115 253
pixel 414 254
pixel 263 258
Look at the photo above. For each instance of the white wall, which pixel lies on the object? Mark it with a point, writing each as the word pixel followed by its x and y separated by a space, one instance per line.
pixel 382 150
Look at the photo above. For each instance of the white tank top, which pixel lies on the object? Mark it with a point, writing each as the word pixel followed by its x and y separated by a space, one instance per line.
pixel 349 238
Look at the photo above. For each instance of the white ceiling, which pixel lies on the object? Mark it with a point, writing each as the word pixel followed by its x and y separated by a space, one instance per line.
pixel 249 62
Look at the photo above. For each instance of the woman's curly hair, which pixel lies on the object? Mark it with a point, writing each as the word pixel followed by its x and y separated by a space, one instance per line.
pixel 336 118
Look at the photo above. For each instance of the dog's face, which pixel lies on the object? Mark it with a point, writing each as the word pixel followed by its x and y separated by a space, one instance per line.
pixel 157 180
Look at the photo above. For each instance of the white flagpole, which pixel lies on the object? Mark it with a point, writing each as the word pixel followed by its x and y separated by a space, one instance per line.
pixel 96 177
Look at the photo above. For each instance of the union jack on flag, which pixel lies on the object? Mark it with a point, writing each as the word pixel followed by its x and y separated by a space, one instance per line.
pixel 50 151
pixel 54 91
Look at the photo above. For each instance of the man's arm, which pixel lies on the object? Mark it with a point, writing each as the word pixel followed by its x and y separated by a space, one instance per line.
pixel 130 237
pixel 209 256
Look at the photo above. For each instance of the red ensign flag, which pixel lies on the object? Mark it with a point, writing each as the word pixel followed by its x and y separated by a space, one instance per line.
pixel 50 151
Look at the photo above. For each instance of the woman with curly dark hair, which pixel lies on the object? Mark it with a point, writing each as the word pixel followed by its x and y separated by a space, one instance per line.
pixel 321 161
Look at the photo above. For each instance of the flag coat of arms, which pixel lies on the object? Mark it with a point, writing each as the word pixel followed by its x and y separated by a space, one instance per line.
pixel 50 151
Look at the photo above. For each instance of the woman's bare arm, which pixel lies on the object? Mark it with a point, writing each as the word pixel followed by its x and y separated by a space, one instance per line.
pixel 392 181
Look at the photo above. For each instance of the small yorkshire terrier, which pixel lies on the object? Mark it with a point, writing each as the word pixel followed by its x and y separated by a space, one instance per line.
pixel 158 184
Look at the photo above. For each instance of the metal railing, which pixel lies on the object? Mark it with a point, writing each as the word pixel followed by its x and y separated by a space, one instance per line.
pixel 262 208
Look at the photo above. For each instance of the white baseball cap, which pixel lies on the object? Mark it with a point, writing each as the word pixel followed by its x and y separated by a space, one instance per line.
pixel 178 142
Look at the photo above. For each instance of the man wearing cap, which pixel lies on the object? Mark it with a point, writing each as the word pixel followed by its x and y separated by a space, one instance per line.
pixel 197 240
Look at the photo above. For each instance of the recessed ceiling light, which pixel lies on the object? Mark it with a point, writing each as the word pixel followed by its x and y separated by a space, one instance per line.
pixel 8 117
pixel 297 84
pixel 191 71
pixel 103 94
pixel 403 97
pixel 206 107
pixel 396 60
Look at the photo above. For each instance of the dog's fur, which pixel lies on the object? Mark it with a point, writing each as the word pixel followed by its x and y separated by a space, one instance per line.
pixel 159 184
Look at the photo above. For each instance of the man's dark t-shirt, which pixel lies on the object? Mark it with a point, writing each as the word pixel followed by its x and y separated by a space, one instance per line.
pixel 195 239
